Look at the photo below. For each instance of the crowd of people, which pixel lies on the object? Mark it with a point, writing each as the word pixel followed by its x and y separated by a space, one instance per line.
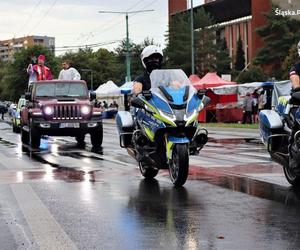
pixel 252 105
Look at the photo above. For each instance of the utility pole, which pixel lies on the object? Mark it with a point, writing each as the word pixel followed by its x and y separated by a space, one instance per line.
pixel 192 39
pixel 128 75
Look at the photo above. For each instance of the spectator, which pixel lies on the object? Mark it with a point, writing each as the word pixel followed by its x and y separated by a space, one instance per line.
pixel 68 73
pixel 105 105
pixel 115 104
pixel 262 100
pixel 3 109
pixel 248 108
pixel 255 96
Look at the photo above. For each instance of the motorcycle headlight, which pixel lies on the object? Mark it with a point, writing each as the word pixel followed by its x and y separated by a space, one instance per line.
pixel 48 110
pixel 85 110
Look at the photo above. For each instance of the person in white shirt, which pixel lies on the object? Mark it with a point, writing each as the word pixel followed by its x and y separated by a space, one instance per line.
pixel 68 73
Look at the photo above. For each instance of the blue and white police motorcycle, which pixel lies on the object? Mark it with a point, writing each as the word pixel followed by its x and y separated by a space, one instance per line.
pixel 162 129
pixel 280 132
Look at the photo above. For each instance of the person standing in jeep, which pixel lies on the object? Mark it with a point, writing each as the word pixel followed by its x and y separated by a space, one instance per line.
pixel 68 73
pixel 39 71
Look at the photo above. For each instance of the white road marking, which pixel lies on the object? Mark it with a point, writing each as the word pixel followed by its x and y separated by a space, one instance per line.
pixel 45 229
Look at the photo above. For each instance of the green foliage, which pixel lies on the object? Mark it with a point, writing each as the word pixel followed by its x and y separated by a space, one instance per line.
pixel 290 60
pixel 102 63
pixel 279 34
pixel 15 79
pixel 205 42
pixel 222 57
pixel 135 51
pixel 240 56
pixel 254 74
pixel 178 49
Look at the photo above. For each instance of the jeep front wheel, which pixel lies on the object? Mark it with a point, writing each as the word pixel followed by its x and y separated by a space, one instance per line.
pixel 97 137
pixel 80 140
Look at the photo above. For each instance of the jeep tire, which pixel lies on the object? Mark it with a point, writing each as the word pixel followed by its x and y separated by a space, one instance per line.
pixel 80 140
pixel 97 136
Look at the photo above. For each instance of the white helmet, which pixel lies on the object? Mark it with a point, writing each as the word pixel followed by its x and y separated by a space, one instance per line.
pixel 150 50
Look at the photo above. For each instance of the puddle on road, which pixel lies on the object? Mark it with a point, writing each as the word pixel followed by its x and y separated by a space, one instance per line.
pixel 287 195
pixel 234 140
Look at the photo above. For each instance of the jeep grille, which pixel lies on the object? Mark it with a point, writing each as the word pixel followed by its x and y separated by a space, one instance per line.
pixel 67 112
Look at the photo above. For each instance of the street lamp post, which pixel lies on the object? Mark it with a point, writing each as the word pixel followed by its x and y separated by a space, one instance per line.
pixel 89 70
pixel 128 75
pixel 192 39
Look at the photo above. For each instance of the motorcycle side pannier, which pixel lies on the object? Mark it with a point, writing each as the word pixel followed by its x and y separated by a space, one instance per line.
pixel 125 127
pixel 270 122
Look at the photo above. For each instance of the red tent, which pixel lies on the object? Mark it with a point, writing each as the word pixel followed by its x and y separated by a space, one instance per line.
pixel 194 79
pixel 211 80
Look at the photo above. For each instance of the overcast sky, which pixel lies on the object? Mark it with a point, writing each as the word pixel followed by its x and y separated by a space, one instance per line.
pixel 77 22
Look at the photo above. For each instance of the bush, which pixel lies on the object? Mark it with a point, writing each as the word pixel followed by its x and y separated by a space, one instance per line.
pixel 254 74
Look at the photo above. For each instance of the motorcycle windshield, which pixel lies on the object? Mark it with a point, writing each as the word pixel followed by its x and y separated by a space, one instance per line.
pixel 170 78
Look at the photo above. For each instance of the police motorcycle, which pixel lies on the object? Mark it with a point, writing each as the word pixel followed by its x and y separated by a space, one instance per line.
pixel 163 129
pixel 280 132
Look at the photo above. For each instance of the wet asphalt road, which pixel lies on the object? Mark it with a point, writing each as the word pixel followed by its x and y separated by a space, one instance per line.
pixel 63 197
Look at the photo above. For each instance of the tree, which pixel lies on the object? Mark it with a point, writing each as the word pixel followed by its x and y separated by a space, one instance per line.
pixel 254 74
pixel 206 46
pixel 136 67
pixel 279 34
pixel 15 81
pixel 178 49
pixel 290 60
pixel 240 56
pixel 222 57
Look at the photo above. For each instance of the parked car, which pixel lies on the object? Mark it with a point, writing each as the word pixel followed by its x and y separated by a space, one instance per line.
pixel 15 115
pixel 60 108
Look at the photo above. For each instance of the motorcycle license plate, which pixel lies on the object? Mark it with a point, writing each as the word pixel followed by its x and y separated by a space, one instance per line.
pixel 69 125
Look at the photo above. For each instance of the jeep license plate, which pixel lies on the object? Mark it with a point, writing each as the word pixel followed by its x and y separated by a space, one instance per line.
pixel 69 125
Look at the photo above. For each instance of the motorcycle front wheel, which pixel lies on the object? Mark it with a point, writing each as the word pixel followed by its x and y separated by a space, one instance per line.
pixel 179 165
pixel 147 171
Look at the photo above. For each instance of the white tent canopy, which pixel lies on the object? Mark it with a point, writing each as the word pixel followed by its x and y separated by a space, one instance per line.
pixel 108 89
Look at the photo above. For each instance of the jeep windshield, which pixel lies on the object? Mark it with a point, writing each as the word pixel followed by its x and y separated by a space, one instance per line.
pixel 61 89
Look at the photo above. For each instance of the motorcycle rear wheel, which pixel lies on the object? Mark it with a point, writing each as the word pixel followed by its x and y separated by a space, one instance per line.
pixel 179 166
pixel 146 171
pixel 291 176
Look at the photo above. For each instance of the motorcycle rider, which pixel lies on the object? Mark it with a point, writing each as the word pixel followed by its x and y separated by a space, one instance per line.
pixel 152 58
pixel 295 73
pixel 295 80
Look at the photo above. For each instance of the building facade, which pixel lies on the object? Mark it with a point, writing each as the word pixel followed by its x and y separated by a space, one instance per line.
pixel 235 19
pixel 11 46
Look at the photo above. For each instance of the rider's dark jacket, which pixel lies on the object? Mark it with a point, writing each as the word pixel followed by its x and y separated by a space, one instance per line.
pixel 295 70
pixel 144 80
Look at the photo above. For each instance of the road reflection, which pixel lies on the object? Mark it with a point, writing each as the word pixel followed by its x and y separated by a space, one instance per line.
pixel 171 209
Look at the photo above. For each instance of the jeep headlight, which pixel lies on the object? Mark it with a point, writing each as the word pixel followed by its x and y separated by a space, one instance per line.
pixel 85 110
pixel 48 110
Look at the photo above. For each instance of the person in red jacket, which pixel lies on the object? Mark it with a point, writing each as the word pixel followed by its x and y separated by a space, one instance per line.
pixel 39 71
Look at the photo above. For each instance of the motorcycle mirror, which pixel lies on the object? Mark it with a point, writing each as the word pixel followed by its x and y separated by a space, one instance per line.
pixel 137 102
pixel 205 100
pixel 28 96
pixel 201 93
pixel 147 94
